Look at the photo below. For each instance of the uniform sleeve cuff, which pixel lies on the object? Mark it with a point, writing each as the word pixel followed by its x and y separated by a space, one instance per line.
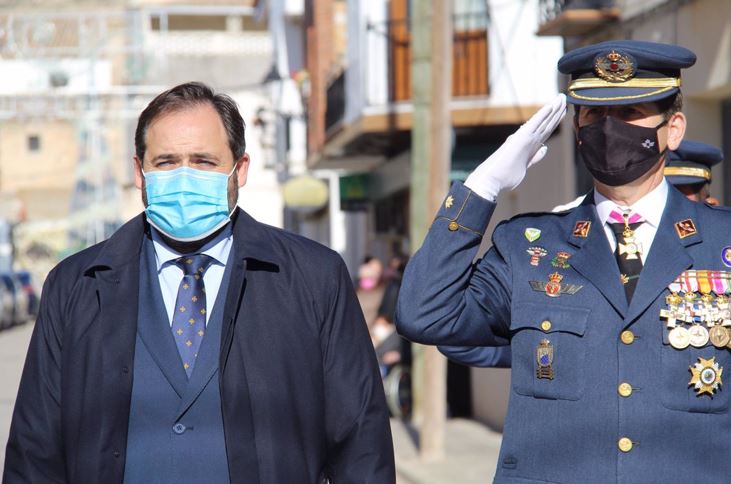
pixel 463 209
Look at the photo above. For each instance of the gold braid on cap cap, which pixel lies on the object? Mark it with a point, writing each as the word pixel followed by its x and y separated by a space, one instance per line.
pixel 589 83
pixel 687 171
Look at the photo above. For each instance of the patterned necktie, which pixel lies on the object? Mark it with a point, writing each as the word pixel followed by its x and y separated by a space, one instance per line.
pixel 189 318
pixel 628 251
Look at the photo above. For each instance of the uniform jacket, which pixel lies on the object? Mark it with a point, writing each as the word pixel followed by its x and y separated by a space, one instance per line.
pixel 301 394
pixel 569 429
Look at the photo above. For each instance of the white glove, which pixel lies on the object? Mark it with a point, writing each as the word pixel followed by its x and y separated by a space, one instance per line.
pixel 506 167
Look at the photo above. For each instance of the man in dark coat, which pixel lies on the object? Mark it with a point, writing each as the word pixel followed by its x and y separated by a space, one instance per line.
pixel 196 344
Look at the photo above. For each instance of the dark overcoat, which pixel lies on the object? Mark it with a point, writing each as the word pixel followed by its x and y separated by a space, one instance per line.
pixel 301 394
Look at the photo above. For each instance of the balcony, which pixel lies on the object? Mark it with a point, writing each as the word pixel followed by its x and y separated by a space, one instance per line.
pixel 570 18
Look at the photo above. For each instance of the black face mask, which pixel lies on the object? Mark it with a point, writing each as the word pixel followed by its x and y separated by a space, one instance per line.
pixel 616 152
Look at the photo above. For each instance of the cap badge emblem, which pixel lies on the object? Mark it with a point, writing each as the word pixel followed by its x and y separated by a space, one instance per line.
pixel 614 67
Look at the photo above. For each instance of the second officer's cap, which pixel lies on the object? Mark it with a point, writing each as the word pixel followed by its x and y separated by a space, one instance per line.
pixel 691 163
pixel 624 72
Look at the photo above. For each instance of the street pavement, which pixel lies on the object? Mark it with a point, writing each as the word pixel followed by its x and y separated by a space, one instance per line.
pixel 471 449
pixel 13 347
pixel 471 452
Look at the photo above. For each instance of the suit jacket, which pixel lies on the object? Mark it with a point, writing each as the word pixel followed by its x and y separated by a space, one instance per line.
pixel 598 393
pixel 301 394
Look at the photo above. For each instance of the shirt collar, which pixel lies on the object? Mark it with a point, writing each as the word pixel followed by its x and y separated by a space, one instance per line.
pixel 218 248
pixel 651 206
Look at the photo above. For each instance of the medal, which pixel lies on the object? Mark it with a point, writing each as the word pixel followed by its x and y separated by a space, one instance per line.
pixel 544 358
pixel 535 254
pixel 679 338
pixel 706 376
pixel 719 336
pixel 698 336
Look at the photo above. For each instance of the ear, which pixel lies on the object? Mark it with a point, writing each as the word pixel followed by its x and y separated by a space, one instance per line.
pixel 676 130
pixel 139 177
pixel 242 169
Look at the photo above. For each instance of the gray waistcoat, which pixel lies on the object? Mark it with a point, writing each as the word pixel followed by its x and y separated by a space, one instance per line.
pixel 175 424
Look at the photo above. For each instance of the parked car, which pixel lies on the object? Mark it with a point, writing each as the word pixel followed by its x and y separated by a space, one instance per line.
pixel 33 300
pixel 20 298
pixel 6 307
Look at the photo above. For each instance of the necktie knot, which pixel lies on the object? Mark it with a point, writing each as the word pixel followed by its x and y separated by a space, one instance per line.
pixel 194 264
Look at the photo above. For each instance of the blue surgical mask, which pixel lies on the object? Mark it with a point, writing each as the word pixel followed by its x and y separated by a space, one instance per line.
pixel 187 204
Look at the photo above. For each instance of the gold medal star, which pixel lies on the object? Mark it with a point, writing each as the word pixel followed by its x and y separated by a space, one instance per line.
pixel 189 343
pixel 201 333
pixel 194 298
pixel 186 286
pixel 203 311
pixel 706 376
pixel 180 332
pixel 449 202
pixel 182 309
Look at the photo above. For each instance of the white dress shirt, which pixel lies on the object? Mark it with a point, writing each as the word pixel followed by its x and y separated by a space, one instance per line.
pixel 170 275
pixel 651 207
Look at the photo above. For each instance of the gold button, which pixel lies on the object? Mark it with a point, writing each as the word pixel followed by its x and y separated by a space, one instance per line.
pixel 628 337
pixel 546 325
pixel 453 226
pixel 624 444
pixel 625 389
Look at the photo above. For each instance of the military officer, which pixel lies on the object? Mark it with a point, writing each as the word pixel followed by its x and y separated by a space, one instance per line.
pixel 688 168
pixel 616 311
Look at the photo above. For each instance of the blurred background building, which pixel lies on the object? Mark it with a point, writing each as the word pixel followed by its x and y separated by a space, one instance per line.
pixel 350 63
pixel 76 75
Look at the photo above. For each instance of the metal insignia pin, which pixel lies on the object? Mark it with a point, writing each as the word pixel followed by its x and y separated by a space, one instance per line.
pixel 560 260
pixel 581 229
pixel 532 234
pixel 685 228
pixel 726 256
pixel 536 253
pixel 554 288
pixel 544 358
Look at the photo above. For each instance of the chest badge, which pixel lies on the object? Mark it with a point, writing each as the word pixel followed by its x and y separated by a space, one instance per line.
pixel 554 288
pixel 706 376
pixel 560 260
pixel 685 228
pixel 532 234
pixel 581 229
pixel 536 253
pixel 544 358
pixel 726 256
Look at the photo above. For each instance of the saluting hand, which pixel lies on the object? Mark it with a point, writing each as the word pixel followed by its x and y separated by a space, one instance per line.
pixel 506 167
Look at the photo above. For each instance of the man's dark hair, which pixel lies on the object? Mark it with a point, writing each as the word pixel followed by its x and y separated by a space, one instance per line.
pixel 186 96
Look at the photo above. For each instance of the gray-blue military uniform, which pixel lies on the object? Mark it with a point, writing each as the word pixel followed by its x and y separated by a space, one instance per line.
pixel 601 390
pixel 690 164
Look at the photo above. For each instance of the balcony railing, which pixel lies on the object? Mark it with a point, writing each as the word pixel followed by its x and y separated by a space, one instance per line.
pixel 550 9
pixel 574 17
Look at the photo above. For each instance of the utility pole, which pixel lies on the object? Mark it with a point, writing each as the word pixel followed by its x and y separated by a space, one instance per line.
pixel 431 74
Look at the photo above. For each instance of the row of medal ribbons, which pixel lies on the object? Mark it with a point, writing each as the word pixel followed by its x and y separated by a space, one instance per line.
pixel 698 311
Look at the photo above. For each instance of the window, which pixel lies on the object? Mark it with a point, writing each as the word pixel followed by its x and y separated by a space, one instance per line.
pixel 34 143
